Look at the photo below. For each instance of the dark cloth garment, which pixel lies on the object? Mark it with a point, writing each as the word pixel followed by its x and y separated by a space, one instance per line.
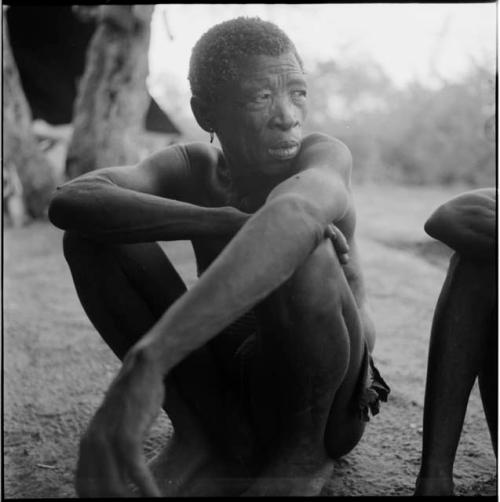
pixel 371 390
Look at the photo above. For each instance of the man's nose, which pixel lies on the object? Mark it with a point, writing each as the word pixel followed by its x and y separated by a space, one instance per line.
pixel 284 114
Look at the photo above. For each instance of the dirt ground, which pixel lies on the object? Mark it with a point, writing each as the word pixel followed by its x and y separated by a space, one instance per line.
pixel 56 368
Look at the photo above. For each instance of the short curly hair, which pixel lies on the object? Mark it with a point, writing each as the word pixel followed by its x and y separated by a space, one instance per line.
pixel 214 58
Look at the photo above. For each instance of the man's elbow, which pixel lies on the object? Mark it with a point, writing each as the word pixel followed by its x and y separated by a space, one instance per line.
pixel 71 201
pixel 57 210
pixel 62 207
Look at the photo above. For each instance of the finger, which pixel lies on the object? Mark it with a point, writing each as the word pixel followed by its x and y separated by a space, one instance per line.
pixel 87 481
pixel 330 232
pixel 143 478
pixel 111 481
pixel 340 243
pixel 98 474
pixel 344 258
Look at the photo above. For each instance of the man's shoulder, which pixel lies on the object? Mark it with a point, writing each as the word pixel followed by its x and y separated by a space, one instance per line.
pixel 190 164
pixel 202 156
pixel 191 153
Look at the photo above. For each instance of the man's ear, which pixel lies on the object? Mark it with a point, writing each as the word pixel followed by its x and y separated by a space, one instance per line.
pixel 203 113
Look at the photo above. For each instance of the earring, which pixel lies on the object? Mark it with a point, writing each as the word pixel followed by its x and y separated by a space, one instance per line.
pixel 211 136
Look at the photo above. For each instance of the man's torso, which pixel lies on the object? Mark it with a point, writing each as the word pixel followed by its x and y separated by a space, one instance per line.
pixel 211 186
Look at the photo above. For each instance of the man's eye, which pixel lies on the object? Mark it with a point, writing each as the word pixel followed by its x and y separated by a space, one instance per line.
pixel 261 97
pixel 299 95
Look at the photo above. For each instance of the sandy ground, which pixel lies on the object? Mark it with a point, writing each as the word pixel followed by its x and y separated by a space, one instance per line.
pixel 56 368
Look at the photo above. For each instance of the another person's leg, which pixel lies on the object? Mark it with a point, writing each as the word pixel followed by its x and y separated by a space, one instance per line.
pixel 309 357
pixel 124 289
pixel 459 346
pixel 488 382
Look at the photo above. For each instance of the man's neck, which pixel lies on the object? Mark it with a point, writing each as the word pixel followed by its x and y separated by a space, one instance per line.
pixel 249 190
pixel 247 180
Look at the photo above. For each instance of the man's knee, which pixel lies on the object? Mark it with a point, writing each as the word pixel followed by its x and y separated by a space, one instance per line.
pixel 318 287
pixel 310 308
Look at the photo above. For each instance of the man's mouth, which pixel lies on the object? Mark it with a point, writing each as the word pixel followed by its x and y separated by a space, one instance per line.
pixel 284 150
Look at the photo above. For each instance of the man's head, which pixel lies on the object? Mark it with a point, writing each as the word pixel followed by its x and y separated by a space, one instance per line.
pixel 216 56
pixel 248 87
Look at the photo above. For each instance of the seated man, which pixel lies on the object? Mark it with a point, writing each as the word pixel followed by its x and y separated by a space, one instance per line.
pixel 464 336
pixel 264 365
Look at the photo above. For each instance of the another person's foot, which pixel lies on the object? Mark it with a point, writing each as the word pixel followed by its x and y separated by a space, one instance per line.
pixel 433 486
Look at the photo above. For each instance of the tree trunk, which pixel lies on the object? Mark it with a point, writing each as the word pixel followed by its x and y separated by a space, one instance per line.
pixel 112 96
pixel 28 178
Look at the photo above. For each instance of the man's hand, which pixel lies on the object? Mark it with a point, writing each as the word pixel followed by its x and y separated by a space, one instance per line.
pixel 339 242
pixel 111 454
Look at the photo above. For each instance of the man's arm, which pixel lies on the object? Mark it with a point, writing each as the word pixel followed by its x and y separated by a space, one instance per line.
pixel 467 224
pixel 146 202
pixel 262 256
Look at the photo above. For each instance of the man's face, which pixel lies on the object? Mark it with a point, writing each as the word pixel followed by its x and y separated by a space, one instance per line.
pixel 259 121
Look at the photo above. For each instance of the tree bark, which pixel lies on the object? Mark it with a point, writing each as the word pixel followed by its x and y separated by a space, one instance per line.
pixel 112 97
pixel 28 178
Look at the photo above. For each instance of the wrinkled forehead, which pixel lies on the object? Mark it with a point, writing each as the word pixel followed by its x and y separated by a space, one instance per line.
pixel 262 66
pixel 259 71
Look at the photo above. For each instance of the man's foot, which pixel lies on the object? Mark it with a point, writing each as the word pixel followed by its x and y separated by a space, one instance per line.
pixel 299 476
pixel 427 486
pixel 186 469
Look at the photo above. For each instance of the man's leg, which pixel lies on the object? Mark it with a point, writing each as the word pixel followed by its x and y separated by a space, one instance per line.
pixel 309 356
pixel 124 289
pixel 459 344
